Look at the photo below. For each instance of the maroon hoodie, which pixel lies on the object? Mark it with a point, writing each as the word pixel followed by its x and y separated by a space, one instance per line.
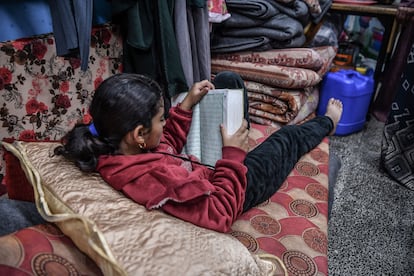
pixel 193 192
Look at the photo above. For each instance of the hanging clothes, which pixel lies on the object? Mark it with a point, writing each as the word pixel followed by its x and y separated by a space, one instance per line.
pixel 72 25
pixel 193 39
pixel 150 45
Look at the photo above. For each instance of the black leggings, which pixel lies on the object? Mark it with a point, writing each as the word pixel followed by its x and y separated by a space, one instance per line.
pixel 270 163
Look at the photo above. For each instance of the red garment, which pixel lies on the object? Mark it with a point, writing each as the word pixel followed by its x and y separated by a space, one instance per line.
pixel 208 198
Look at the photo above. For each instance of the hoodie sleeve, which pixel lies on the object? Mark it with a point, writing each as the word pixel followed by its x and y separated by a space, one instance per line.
pixel 177 128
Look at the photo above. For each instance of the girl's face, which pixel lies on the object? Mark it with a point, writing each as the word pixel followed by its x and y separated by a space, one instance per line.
pixel 152 138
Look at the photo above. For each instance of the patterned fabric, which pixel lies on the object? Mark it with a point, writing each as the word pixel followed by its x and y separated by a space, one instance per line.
pixel 327 53
pixel 43 250
pixel 45 95
pixel 217 11
pixel 293 57
pixel 291 227
pixel 42 95
pixel 276 81
pixel 273 75
pixel 273 106
pixel 292 224
pixel 397 153
pixel 123 237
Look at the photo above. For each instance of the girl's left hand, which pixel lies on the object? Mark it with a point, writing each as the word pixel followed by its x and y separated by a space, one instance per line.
pixel 196 93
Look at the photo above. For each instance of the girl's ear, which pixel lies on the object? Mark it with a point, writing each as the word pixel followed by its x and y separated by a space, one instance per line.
pixel 136 136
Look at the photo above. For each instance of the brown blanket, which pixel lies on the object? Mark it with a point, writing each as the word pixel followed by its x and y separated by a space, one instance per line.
pixel 272 75
pixel 281 84
pixel 268 105
pixel 294 57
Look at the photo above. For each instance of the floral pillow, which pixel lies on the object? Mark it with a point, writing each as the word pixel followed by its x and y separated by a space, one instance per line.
pixel 43 250
pixel 44 95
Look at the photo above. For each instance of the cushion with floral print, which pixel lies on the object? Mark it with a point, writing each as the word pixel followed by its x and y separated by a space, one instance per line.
pixel 43 250
pixel 44 95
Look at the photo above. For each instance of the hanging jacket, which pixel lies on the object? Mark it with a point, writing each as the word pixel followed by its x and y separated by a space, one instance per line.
pixel 72 26
pixel 150 45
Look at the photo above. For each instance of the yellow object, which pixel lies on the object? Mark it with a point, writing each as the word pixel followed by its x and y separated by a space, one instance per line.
pixel 362 70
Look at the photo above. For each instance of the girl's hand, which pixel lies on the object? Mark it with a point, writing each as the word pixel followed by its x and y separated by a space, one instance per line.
pixel 239 139
pixel 196 93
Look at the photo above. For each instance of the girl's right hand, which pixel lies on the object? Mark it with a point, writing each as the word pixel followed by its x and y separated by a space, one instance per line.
pixel 196 93
pixel 239 139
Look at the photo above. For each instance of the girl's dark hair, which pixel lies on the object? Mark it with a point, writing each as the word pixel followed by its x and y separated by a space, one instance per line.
pixel 120 104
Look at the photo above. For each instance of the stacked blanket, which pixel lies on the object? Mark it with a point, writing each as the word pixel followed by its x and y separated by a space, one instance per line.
pixel 282 84
pixel 259 25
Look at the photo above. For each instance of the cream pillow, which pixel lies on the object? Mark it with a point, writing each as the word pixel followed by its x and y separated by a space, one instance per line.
pixel 121 236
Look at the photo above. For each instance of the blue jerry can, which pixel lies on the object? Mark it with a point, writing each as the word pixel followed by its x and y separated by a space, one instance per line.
pixel 355 91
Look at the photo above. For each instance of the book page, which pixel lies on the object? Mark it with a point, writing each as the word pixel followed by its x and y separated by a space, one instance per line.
pixel 234 110
pixel 211 116
pixel 193 145
pixel 219 106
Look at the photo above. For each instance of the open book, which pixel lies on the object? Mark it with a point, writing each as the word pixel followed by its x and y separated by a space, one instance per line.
pixel 217 106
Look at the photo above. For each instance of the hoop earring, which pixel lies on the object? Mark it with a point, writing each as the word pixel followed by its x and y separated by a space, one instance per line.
pixel 142 145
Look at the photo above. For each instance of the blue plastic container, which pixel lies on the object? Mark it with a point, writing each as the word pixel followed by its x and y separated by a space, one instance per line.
pixel 355 91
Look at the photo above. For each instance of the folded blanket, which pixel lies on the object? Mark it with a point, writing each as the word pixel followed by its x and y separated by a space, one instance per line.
pixel 296 9
pixel 297 41
pixel 272 75
pixel 293 57
pixel 277 125
pixel 272 103
pixel 238 20
pixel 277 107
pixel 229 44
pixel 279 27
pixel 308 108
pixel 267 103
pixel 327 54
pixel 260 9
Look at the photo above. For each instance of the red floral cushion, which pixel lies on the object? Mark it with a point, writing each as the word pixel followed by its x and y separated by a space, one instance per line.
pixel 43 250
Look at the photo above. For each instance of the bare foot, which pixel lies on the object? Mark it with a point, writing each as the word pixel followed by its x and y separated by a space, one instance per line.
pixel 334 111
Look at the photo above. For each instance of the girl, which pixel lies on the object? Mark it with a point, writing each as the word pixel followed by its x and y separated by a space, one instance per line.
pixel 137 151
